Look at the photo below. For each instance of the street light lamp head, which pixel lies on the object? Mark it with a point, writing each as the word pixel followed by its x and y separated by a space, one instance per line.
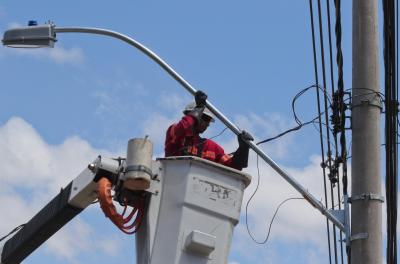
pixel 30 37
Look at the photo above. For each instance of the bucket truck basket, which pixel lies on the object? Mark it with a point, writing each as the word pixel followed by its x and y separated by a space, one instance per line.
pixel 191 217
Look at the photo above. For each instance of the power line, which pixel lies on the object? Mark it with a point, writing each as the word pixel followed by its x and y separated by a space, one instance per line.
pixel 320 125
pixel 274 215
pixel 300 124
pixel 391 124
pixel 332 175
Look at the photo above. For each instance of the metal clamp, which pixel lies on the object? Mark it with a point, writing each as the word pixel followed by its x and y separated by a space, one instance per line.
pixel 369 196
pixel 367 102
pixel 139 168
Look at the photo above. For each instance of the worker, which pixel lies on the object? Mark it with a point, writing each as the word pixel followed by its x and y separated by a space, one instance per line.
pixel 182 138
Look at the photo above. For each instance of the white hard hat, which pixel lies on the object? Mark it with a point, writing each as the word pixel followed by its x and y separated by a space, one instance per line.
pixel 190 107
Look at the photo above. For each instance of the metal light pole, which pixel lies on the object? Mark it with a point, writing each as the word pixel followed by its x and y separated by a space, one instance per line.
pixel 366 226
pixel 45 35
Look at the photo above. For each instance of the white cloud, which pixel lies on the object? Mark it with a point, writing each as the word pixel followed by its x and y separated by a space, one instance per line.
pixel 61 55
pixel 112 104
pixel 27 159
pixel 64 242
pixel 174 102
pixel 296 219
pixel 156 126
pixel 33 173
pixel 266 126
pixel 110 246
pixel 297 222
pixel 12 25
pixel 58 54
pixel 30 163
pixel 107 103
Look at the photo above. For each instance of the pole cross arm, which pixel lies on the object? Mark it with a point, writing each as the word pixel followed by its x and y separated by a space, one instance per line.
pixel 52 30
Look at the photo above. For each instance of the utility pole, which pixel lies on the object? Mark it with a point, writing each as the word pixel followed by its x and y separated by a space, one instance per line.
pixel 366 213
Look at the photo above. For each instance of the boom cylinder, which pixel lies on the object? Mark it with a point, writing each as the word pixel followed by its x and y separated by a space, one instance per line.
pixel 138 173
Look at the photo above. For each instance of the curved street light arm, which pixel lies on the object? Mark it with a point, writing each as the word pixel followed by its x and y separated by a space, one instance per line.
pixel 304 192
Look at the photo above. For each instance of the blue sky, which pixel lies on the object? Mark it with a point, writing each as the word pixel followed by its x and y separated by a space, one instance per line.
pixel 89 95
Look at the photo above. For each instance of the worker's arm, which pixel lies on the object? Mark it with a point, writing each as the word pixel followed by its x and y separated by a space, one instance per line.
pixel 240 157
pixel 176 134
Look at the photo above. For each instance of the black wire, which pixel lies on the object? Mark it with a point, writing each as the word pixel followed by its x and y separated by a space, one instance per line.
pixel 287 131
pixel 220 133
pixel 300 124
pixel 391 125
pixel 334 134
pixel 316 128
pixel 341 105
pixel 319 121
pixel 329 153
pixel 13 231
pixel 275 213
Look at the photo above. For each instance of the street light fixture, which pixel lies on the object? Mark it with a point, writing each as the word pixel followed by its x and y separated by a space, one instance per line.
pixel 30 37
pixel 35 36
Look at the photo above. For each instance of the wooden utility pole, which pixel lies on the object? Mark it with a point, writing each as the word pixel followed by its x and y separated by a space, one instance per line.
pixel 366 213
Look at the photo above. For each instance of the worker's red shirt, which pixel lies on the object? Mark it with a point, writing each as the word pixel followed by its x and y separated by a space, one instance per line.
pixel 181 140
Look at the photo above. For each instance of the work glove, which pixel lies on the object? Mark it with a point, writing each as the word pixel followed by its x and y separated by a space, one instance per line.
pixel 200 98
pixel 241 156
pixel 242 137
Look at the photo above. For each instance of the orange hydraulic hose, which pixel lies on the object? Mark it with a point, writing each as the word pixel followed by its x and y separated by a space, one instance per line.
pixel 106 203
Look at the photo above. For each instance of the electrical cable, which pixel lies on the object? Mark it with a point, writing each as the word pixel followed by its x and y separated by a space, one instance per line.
pixel 220 133
pixel 274 215
pixel 13 231
pixel 330 129
pixel 337 164
pixel 287 131
pixel 296 118
pixel 391 123
pixel 320 126
pixel 341 107
pixel 332 172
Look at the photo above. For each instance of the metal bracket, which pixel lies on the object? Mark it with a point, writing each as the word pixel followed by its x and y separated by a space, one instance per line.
pixel 356 237
pixel 339 215
pixel 369 196
pixel 359 236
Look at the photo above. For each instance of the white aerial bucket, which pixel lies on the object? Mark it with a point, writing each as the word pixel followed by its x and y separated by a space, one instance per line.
pixel 192 212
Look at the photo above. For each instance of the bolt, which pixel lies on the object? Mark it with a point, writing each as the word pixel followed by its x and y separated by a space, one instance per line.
pixel 91 167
